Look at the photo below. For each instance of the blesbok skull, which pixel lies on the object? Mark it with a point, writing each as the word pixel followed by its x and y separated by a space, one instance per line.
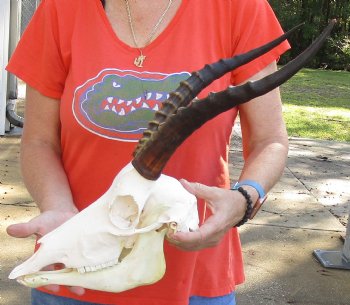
pixel 123 230
pixel 116 243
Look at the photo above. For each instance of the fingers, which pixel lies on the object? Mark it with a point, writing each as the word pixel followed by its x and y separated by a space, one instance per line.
pixel 22 230
pixel 75 290
pixel 56 288
pixel 215 226
pixel 39 225
pixel 53 288
pixel 208 235
pixel 198 189
pixel 191 244
pixel 192 241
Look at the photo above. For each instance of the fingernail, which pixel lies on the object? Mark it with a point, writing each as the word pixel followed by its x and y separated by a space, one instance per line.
pixel 173 237
pixel 183 180
pixel 53 288
pixel 78 290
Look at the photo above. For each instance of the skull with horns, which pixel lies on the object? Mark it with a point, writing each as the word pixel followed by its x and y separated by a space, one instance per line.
pixel 127 225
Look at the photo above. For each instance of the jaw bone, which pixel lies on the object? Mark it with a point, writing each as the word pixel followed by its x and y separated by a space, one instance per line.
pixel 129 273
pixel 123 230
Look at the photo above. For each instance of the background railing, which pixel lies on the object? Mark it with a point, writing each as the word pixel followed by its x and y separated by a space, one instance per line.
pixel 28 8
pixel 15 16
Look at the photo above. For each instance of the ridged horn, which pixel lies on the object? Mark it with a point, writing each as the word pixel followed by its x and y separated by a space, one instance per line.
pixel 154 153
pixel 199 80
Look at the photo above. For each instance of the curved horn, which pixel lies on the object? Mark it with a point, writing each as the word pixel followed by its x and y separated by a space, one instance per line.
pixel 153 155
pixel 198 80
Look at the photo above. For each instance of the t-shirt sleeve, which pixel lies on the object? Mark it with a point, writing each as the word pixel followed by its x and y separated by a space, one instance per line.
pixel 255 24
pixel 37 59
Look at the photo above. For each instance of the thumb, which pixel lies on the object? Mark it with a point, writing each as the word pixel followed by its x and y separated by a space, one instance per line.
pixel 21 230
pixel 198 189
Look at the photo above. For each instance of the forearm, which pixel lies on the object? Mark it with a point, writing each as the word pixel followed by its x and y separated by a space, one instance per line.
pixel 265 139
pixel 41 164
pixel 44 176
pixel 266 161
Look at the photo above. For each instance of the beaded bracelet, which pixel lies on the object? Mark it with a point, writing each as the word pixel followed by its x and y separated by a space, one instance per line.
pixel 249 209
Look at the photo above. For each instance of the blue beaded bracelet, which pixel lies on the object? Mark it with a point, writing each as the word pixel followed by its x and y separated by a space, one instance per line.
pixel 260 191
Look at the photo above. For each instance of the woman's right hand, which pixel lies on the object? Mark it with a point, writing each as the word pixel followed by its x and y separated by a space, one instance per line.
pixel 39 226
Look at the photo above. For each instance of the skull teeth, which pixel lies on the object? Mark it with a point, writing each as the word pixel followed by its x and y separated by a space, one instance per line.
pixel 97 267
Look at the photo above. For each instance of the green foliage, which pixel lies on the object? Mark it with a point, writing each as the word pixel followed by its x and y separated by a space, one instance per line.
pixel 316 15
pixel 316 105
pixel 339 52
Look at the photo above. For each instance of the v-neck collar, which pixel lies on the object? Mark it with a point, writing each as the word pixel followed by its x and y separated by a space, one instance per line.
pixel 158 39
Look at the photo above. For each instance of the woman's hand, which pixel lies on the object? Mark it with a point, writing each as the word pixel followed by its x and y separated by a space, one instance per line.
pixel 39 226
pixel 228 208
pixel 265 144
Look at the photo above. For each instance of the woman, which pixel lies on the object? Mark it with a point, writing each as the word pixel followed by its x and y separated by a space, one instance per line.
pixel 87 66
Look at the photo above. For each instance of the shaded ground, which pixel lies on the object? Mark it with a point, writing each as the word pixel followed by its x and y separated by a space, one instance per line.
pixel 305 211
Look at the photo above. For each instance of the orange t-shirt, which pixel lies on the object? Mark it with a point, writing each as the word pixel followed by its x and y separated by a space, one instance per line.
pixel 70 52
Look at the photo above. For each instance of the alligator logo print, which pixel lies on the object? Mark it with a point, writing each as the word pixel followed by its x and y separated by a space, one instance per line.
pixel 119 104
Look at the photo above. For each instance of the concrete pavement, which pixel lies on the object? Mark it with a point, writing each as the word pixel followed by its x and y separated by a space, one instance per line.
pixel 306 210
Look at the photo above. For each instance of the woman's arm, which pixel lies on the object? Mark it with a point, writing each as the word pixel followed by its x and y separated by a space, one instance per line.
pixel 41 166
pixel 265 139
pixel 265 147
pixel 42 170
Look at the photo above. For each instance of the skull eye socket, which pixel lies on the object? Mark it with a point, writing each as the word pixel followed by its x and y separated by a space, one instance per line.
pixel 123 212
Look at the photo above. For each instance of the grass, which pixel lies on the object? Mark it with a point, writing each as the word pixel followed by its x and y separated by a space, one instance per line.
pixel 316 104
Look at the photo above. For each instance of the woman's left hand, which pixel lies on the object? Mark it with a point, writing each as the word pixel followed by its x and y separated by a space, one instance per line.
pixel 228 208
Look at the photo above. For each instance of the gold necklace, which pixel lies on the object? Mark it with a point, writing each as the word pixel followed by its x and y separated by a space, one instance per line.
pixel 138 62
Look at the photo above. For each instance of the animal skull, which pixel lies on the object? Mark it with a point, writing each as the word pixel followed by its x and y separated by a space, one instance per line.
pixel 107 239
pixel 125 228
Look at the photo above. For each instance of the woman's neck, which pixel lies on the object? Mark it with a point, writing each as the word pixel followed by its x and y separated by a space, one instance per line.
pixel 144 16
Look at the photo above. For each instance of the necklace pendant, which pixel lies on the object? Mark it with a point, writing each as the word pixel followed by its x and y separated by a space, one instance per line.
pixel 138 62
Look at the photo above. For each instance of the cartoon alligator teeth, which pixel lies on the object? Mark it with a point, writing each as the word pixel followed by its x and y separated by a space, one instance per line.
pixel 122 107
